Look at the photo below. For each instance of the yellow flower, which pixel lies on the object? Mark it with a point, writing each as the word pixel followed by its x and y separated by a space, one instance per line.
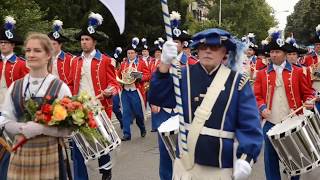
pixel 59 113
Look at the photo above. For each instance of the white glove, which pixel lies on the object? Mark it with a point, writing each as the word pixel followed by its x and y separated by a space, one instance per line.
pixel 57 132
pixel 32 129
pixel 13 127
pixel 241 170
pixel 169 52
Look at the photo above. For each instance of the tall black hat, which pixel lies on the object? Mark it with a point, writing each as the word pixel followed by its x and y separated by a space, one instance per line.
pixel 94 21
pixel 276 42
pixel 7 32
pixel 56 33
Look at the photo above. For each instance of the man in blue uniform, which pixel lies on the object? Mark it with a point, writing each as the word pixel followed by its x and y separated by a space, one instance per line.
pixel 218 106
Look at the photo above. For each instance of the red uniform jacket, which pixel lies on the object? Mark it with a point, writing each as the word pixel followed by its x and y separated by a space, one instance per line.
pixel 260 64
pixel 309 60
pixel 15 68
pixel 153 65
pixel 141 67
pixel 102 75
pixel 296 86
pixel 63 66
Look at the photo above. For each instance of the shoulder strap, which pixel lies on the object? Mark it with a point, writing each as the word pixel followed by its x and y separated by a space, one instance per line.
pixel 17 98
pixel 54 88
pixel 203 113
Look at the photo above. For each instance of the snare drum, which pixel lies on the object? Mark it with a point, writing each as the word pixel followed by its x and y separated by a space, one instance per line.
pixel 91 147
pixel 168 131
pixel 295 142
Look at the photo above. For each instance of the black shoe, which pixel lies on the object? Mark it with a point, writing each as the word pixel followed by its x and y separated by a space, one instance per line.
pixel 153 130
pixel 125 138
pixel 143 134
pixel 107 175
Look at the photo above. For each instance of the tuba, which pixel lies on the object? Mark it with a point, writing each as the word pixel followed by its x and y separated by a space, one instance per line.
pixel 127 77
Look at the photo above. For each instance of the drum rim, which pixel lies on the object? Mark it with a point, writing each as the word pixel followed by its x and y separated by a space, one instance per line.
pixel 302 170
pixel 289 131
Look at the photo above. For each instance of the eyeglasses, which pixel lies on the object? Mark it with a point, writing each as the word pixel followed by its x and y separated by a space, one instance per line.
pixel 205 47
pixel 4 42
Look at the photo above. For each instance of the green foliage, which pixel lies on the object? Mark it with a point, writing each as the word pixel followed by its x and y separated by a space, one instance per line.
pixel 239 17
pixel 28 15
pixel 303 21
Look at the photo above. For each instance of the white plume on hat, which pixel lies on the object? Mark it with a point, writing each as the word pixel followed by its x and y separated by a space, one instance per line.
pixel 175 16
pixel 96 16
pixel 318 28
pixel 10 19
pixel 251 35
pixel 57 23
pixel 264 42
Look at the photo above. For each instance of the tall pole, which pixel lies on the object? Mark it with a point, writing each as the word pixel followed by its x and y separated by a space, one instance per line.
pixel 176 76
pixel 220 13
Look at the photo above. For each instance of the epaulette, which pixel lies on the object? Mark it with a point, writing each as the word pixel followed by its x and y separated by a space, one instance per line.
pixel 244 79
pixel 70 54
pixel 22 58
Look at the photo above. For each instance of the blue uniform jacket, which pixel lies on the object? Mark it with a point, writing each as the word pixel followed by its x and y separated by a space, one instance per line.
pixel 235 111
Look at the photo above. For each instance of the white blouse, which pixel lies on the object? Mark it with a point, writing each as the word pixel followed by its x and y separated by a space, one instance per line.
pixel 8 110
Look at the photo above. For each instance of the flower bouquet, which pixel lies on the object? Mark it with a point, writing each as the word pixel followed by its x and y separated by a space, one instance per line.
pixel 75 113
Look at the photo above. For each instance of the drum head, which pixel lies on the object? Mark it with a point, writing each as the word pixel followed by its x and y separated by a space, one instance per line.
pixel 170 125
pixel 286 127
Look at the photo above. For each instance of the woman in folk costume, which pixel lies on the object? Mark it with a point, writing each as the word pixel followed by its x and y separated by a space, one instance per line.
pixel 280 88
pixel 41 156
pixel 218 106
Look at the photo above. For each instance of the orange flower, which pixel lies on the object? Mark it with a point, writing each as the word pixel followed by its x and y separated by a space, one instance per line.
pixel 59 113
pixel 65 101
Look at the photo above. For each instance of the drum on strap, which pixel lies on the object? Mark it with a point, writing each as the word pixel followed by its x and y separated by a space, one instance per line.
pixel 296 143
pixel 168 132
pixel 91 147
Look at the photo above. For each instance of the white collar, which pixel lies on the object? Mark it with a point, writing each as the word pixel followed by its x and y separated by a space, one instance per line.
pixel 5 58
pixel 280 67
pixel 91 55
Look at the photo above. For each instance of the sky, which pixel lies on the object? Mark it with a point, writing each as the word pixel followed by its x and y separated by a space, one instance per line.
pixel 282 8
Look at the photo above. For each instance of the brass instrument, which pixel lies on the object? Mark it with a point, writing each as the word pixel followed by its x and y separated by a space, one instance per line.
pixel 315 72
pixel 127 77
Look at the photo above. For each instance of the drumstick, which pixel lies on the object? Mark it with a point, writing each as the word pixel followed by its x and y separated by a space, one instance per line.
pixel 268 103
pixel 5 144
pixel 21 141
pixel 295 111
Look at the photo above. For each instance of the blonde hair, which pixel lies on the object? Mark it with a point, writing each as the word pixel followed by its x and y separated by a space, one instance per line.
pixel 45 43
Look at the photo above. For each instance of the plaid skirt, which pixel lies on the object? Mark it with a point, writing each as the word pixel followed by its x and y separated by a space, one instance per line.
pixel 38 159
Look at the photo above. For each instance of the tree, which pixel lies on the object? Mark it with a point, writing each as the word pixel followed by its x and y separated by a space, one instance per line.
pixel 303 21
pixel 143 19
pixel 28 16
pixel 241 17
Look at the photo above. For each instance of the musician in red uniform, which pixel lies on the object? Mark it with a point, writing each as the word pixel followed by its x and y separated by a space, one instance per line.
pixel 93 72
pixel 61 60
pixel 314 57
pixel 12 68
pixel 133 96
pixel 279 88
pixel 179 37
pixel 312 60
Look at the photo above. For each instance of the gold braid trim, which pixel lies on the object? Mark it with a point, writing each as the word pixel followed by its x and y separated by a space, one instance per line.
pixel 244 79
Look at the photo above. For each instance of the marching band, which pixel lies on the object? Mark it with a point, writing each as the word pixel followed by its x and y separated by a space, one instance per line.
pixel 231 91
